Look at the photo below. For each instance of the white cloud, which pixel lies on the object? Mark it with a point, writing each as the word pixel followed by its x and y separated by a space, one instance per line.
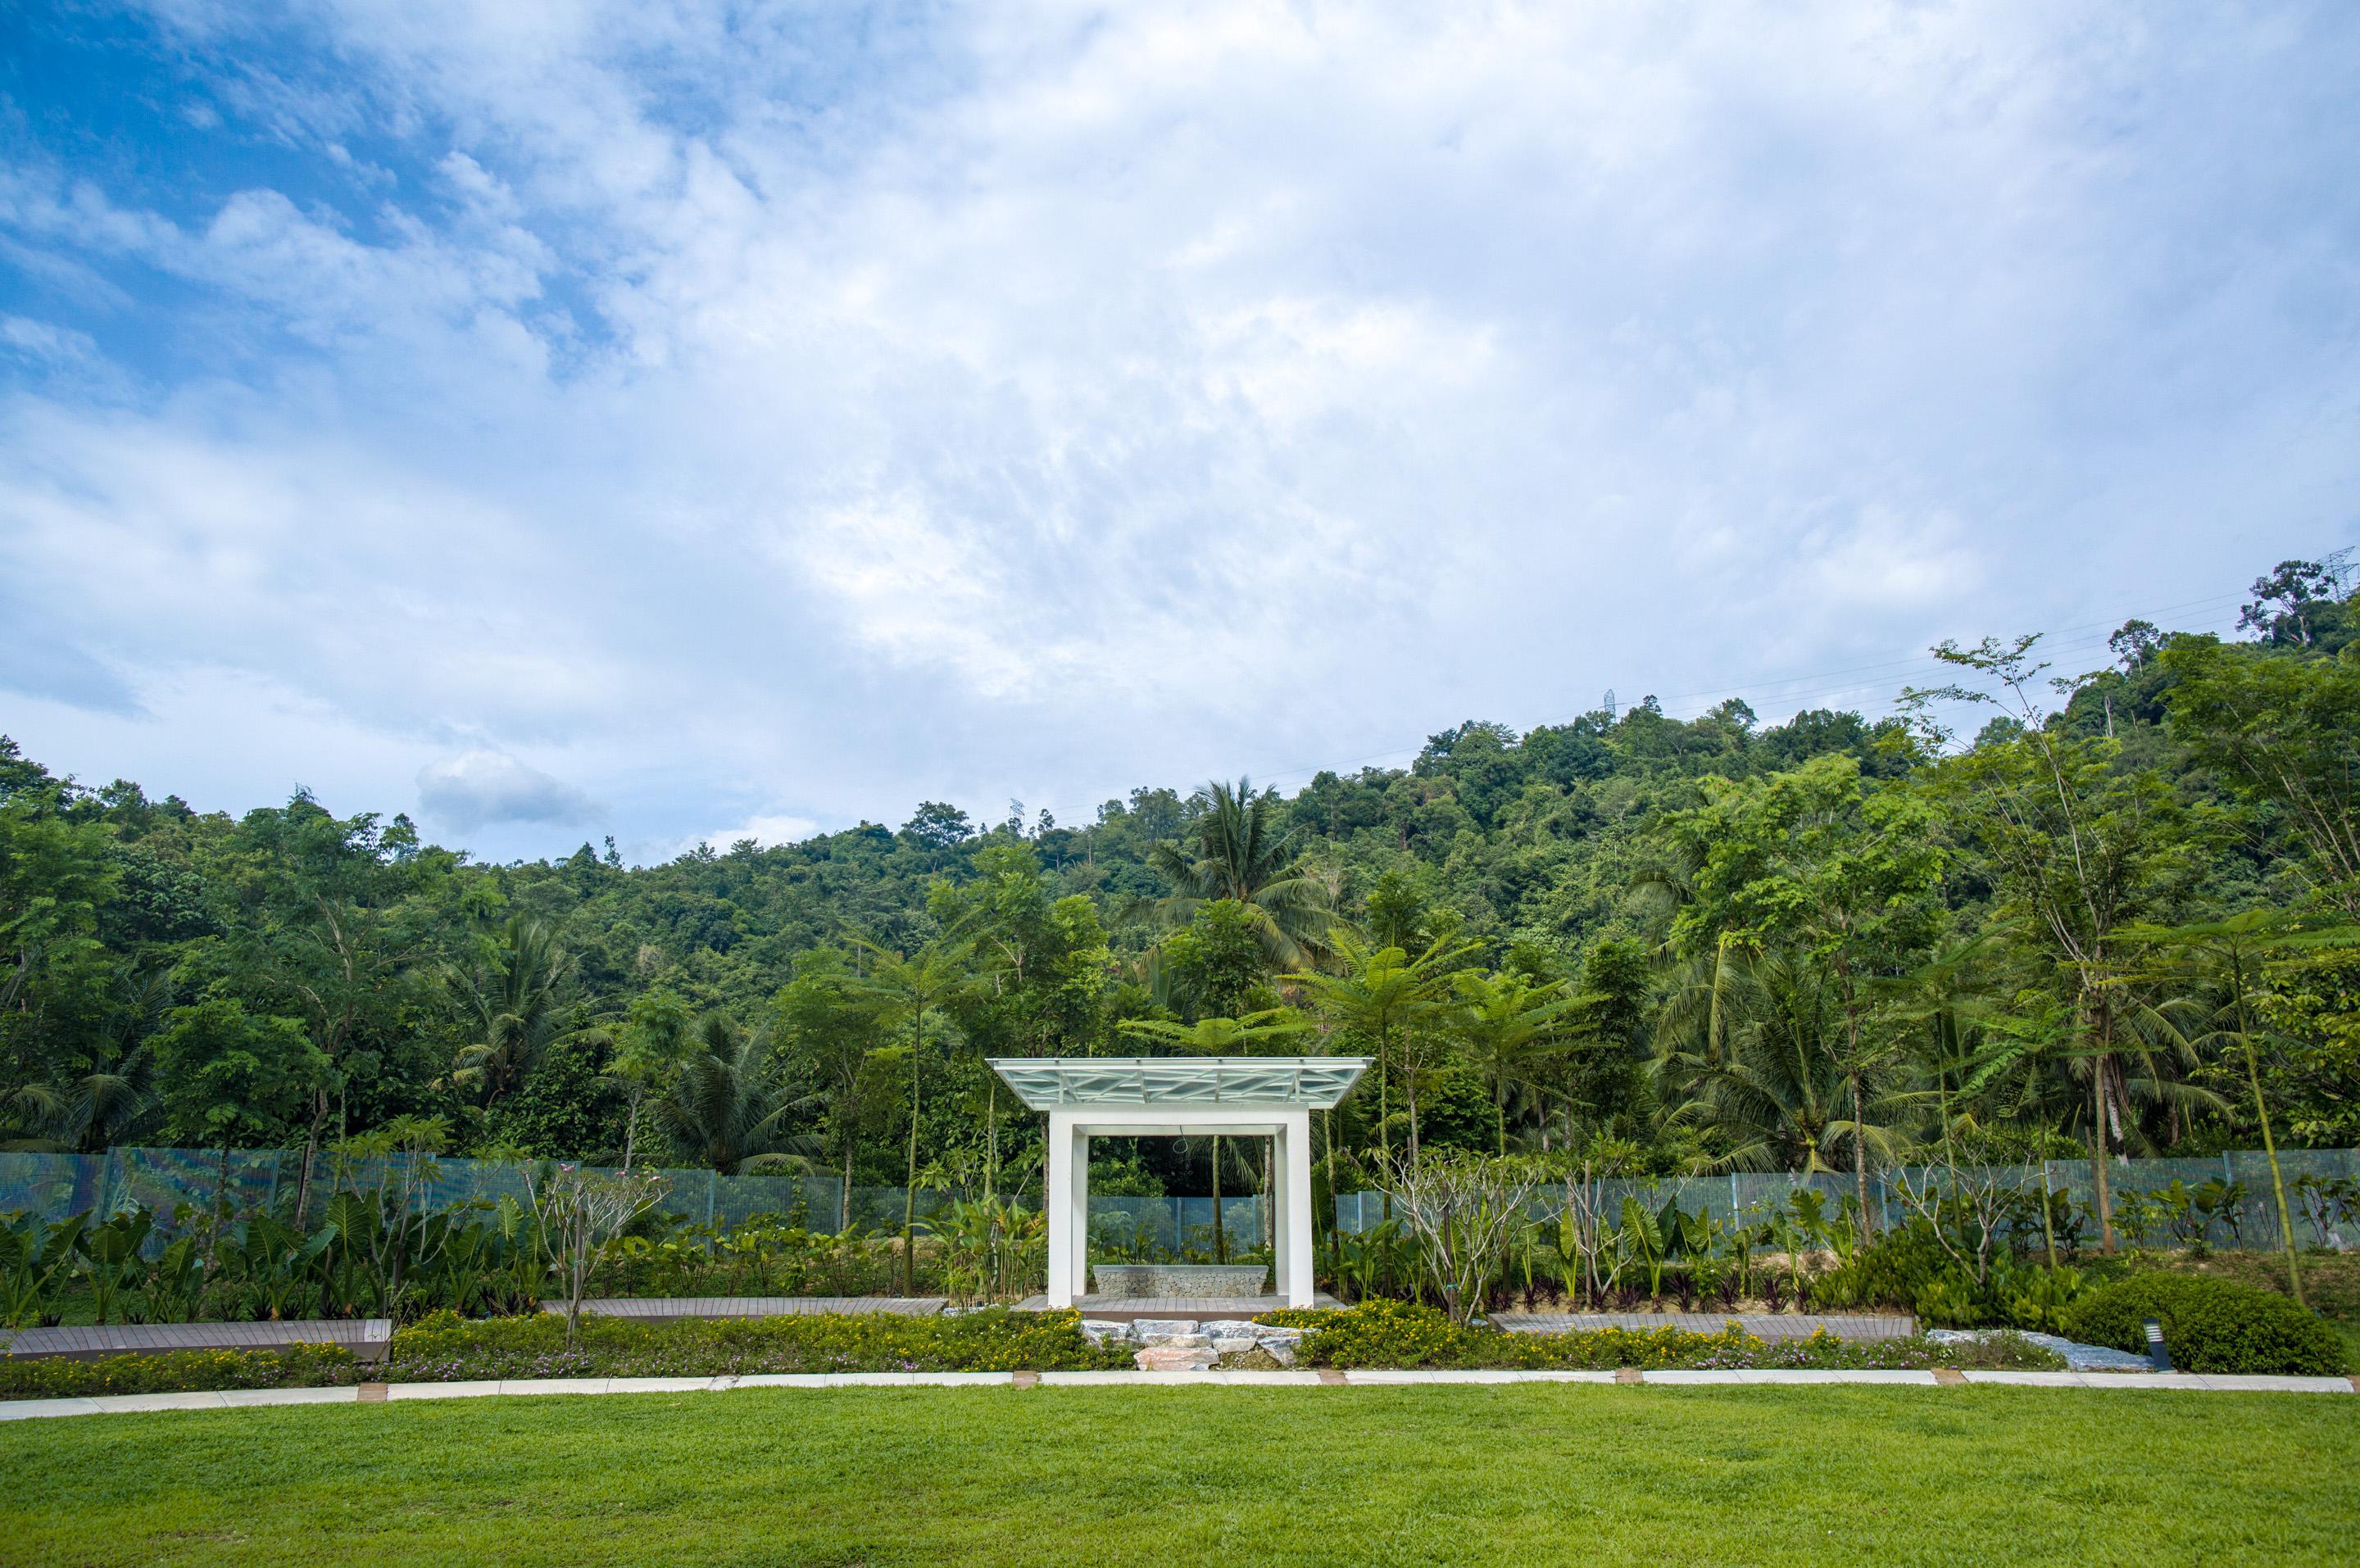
pixel 824 413
pixel 479 788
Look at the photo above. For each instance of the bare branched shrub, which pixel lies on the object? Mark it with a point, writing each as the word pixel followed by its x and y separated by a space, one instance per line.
pixel 1463 1210
pixel 581 1210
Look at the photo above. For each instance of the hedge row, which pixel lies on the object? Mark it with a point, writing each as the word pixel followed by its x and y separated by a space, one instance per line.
pixel 1401 1334
pixel 444 1348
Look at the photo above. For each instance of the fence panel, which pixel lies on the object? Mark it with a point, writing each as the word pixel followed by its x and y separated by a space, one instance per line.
pixel 49 1187
pixel 2251 1221
pixel 52 1186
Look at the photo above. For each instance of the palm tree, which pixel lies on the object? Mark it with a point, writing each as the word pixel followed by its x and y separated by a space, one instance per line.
pixel 516 1009
pixel 1219 1037
pixel 2224 959
pixel 1240 855
pixel 1510 1028
pixel 1385 993
pixel 89 1114
pixel 928 981
pixel 724 1108
pixel 1753 1043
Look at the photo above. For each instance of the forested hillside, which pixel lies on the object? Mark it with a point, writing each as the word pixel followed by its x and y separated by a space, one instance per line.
pixel 2125 903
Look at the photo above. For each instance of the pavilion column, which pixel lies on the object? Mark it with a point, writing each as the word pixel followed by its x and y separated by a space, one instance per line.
pixel 1293 1243
pixel 1078 1254
pixel 1057 1200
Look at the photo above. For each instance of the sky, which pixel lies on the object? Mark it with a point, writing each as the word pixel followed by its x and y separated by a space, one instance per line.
pixel 683 421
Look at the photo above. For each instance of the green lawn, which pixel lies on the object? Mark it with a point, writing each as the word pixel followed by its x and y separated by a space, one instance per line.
pixel 1172 1477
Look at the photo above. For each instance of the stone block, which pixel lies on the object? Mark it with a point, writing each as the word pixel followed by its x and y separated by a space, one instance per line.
pixel 1175 1359
pixel 1191 1340
pixel 1145 1326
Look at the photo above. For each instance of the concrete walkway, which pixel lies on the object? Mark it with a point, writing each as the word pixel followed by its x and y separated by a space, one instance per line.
pixel 1858 1327
pixel 668 1308
pixel 372 1393
pixel 1197 1308
pixel 364 1337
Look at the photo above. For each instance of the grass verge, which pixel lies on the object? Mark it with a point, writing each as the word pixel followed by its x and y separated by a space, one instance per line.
pixel 1112 1476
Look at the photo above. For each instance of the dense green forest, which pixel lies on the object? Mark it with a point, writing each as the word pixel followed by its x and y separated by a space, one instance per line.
pixel 2118 916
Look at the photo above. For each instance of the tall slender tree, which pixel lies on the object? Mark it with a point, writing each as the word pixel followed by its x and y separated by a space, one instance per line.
pixel 927 981
pixel 2081 844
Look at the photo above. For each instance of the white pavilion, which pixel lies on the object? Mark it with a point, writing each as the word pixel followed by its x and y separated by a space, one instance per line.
pixel 1178 1096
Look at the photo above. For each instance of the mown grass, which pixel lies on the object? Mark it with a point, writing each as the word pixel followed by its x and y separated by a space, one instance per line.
pixel 1518 1475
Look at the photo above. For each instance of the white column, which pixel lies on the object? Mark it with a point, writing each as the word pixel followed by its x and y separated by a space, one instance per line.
pixel 1055 1196
pixel 1078 1258
pixel 1282 1266
pixel 1295 1280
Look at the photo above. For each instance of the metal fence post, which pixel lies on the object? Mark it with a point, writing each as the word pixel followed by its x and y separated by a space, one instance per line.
pixel 712 1189
pixel 1733 1197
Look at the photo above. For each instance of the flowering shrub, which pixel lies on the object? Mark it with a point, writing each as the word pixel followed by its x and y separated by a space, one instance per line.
pixel 445 1347
pixel 1389 1333
pixel 178 1371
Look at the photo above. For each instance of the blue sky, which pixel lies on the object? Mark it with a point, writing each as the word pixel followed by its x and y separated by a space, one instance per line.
pixel 680 420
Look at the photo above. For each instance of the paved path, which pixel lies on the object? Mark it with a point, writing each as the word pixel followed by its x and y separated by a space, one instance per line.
pixel 242 1399
pixel 1761 1325
pixel 1203 1309
pixel 753 1306
pixel 366 1337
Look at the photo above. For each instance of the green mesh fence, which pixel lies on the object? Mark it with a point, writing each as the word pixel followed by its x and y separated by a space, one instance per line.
pixel 1157 1228
pixel 2248 1219
pixel 183 1181
pixel 181 1184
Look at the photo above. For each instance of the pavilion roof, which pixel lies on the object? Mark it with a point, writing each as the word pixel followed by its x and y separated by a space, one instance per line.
pixel 1313 1082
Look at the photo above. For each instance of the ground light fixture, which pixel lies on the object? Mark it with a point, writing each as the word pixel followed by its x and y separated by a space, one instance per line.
pixel 2157 1351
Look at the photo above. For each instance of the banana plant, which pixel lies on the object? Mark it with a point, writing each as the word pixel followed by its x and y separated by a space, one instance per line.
pixel 110 1254
pixel 35 1261
pixel 279 1260
pixel 1643 1234
pixel 1373 1258
pixel 174 1283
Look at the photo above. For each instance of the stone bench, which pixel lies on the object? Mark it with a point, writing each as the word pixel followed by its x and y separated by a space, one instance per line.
pixel 1184 1280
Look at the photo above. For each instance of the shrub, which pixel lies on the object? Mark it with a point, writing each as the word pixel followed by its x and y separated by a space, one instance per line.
pixel 1909 1267
pixel 444 1348
pixel 178 1371
pixel 1380 1333
pixel 2211 1326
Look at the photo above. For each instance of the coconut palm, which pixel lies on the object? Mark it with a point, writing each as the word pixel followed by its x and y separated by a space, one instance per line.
pixel 1240 855
pixel 89 1113
pixel 1749 1051
pixel 725 1107
pixel 2222 963
pixel 514 1007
